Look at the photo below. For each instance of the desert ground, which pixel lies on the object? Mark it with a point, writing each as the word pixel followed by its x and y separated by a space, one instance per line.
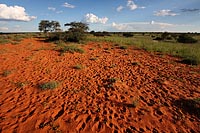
pixel 106 89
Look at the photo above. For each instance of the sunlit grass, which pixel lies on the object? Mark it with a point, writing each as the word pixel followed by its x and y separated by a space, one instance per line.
pixel 189 52
pixel 14 38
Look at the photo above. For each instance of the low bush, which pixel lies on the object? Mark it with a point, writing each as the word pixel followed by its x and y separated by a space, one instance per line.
pixel 56 36
pixel 184 38
pixel 158 39
pixel 71 49
pixel 75 36
pixel 128 34
pixel 104 33
pixel 78 66
pixel 49 85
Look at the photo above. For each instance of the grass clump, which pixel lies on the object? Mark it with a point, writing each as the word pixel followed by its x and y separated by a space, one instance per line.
pixel 93 58
pixel 112 80
pixel 49 85
pixel 4 40
pixel 6 73
pixel 78 66
pixel 71 49
pixel 21 84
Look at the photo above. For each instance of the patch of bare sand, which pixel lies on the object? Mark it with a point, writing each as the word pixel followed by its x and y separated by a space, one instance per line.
pixel 115 91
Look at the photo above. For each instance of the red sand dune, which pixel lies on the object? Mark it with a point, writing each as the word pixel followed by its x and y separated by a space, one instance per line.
pixel 116 90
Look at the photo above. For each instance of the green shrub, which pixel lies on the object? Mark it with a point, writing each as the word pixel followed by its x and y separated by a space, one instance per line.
pixel 49 85
pixel 71 49
pixel 184 38
pixel 3 40
pixel 76 32
pixel 75 36
pixel 158 39
pixel 78 66
pixel 6 73
pixel 56 36
pixel 128 34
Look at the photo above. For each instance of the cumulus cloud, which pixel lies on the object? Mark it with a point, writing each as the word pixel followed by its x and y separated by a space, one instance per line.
pixel 131 5
pixel 165 13
pixel 68 5
pixel 120 8
pixel 91 18
pixel 51 8
pixel 14 13
pixel 3 28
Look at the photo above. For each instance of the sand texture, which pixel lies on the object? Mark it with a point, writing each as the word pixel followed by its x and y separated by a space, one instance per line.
pixel 114 90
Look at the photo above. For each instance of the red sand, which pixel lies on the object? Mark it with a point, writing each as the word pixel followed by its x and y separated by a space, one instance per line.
pixel 116 91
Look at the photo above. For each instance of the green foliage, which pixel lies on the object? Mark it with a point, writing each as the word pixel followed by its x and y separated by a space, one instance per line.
pixel 71 49
pixel 56 36
pixel 4 40
pixel 190 53
pixel 77 27
pixel 185 38
pixel 104 33
pixel 12 38
pixel 46 25
pixel 76 32
pixel 49 85
pixel 75 36
pixel 78 66
pixel 128 34
pixel 93 58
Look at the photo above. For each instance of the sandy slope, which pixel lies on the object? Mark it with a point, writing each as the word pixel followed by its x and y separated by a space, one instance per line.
pixel 116 90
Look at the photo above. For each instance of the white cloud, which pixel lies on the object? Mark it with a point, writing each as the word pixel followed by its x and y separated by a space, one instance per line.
pixel 120 8
pixel 54 9
pixel 142 7
pixel 3 28
pixel 121 27
pixel 161 25
pixel 14 13
pixel 141 26
pixel 165 13
pixel 51 8
pixel 131 5
pixel 68 5
pixel 91 18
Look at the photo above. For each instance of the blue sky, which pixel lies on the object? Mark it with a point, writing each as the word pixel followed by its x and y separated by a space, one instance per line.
pixel 103 15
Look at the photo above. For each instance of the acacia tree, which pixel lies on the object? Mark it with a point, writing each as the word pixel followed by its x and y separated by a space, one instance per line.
pixel 76 32
pixel 46 26
pixel 55 26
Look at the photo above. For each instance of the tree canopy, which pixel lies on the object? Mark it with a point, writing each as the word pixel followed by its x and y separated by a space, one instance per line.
pixel 76 31
pixel 46 26
pixel 77 27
